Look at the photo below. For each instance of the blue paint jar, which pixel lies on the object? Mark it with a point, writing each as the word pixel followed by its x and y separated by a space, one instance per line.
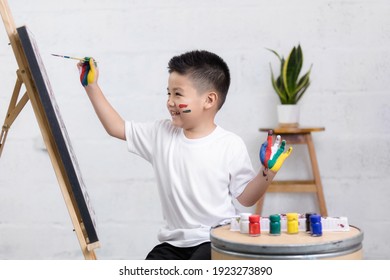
pixel 315 225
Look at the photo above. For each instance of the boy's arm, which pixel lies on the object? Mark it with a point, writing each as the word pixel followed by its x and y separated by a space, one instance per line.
pixel 108 116
pixel 256 188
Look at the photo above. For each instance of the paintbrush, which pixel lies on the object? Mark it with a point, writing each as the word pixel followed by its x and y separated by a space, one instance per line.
pixel 70 57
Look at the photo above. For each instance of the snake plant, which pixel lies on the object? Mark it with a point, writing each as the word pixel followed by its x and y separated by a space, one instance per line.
pixel 288 86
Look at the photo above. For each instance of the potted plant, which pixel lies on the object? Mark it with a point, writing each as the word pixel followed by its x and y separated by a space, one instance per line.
pixel 289 86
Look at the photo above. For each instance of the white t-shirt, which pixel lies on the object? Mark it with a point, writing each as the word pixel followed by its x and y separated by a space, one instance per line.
pixel 196 178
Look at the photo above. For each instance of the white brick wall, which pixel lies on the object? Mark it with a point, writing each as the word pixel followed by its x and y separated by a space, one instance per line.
pixel 347 42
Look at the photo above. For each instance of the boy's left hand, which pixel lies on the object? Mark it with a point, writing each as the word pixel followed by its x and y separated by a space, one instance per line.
pixel 272 156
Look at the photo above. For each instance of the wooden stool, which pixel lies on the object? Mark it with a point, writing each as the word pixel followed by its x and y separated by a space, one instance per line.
pixel 299 135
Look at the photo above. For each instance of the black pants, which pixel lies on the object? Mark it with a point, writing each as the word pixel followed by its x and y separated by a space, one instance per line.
pixel 165 251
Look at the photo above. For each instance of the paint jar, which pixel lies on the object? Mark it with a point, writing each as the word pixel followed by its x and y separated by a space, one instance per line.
pixel 315 225
pixel 292 223
pixel 244 222
pixel 274 225
pixel 235 224
pixel 307 216
pixel 254 225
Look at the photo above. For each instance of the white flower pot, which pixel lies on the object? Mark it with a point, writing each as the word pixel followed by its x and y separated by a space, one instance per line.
pixel 288 115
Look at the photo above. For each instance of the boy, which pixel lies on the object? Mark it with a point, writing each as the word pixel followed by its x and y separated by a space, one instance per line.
pixel 199 166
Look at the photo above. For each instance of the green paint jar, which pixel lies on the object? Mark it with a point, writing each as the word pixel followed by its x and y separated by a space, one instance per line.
pixel 274 225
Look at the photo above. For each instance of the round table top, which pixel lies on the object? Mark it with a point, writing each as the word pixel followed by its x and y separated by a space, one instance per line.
pixel 293 130
pixel 300 243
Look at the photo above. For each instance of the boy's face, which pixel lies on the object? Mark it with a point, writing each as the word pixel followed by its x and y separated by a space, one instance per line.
pixel 185 103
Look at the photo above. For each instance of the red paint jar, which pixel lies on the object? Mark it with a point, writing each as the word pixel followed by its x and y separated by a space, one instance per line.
pixel 254 225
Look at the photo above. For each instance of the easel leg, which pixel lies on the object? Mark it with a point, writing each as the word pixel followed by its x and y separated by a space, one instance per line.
pixel 89 255
pixel 14 109
pixel 87 249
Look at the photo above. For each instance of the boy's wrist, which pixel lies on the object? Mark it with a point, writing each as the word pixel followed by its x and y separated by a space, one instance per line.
pixel 90 88
pixel 268 173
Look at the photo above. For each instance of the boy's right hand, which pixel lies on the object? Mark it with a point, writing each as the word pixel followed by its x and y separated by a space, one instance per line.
pixel 88 71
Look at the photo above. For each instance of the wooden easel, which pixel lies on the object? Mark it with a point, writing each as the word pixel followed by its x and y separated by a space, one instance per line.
pixel 25 77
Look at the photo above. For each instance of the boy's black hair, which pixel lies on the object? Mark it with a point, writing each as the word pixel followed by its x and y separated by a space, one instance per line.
pixel 206 69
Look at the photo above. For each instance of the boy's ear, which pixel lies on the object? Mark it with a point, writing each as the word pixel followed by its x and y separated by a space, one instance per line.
pixel 211 100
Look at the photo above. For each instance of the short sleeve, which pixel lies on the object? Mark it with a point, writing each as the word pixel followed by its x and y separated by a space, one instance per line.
pixel 140 138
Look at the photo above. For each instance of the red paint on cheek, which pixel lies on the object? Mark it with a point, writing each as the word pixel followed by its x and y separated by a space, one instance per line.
pixel 183 105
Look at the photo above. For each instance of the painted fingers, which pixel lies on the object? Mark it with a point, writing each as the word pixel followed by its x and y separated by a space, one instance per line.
pixel 279 162
pixel 265 150
pixel 88 71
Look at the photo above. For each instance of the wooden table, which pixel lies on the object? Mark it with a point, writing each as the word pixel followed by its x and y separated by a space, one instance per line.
pixel 299 135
